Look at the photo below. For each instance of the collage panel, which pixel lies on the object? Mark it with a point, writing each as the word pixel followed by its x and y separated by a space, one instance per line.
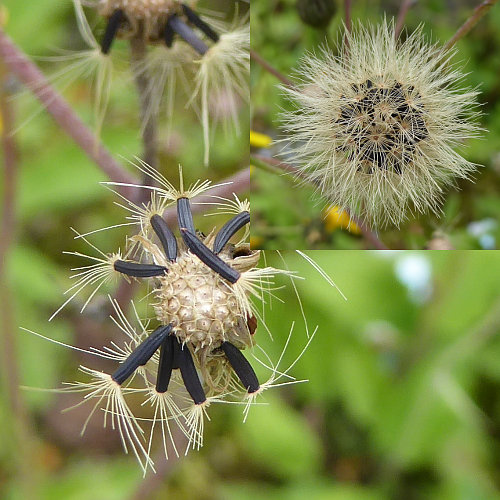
pixel 375 125
pixel 182 312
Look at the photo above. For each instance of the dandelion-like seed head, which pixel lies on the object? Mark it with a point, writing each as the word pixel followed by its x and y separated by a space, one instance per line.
pixel 208 58
pixel 376 127
pixel 207 295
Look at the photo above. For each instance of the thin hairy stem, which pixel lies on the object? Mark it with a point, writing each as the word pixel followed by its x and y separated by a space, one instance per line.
pixel 163 467
pixel 347 13
pixel 368 234
pixel 10 161
pixel 61 111
pixel 148 119
pixel 273 165
pixel 270 69
pixel 403 10
pixel 476 16
pixel 17 425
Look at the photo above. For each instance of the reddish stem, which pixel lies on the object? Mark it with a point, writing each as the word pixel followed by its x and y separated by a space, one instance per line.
pixel 33 78
pixel 270 69
pixel 347 11
pixel 367 232
pixel 477 14
pixel 403 10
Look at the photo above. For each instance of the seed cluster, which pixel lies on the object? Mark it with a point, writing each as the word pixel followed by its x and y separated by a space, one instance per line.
pixel 200 305
pixel 139 9
pixel 380 125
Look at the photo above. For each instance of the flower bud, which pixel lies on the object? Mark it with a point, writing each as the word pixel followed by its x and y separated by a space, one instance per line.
pixel 316 13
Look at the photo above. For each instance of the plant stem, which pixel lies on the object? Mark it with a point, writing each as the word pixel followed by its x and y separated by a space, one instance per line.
pixel 477 14
pixel 367 232
pixel 17 426
pixel 163 467
pixel 403 10
pixel 273 165
pixel 270 69
pixel 33 78
pixel 347 13
pixel 149 125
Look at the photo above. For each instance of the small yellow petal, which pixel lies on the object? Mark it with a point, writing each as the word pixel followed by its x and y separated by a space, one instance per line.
pixel 258 140
pixel 336 218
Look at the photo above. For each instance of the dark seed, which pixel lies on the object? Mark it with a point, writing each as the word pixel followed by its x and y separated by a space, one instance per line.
pixel 200 24
pixel 189 373
pixel 168 35
pixel 184 215
pixel 186 33
pixel 165 235
pixel 139 270
pixel 166 364
pixel 229 229
pixel 208 257
pixel 242 367
pixel 141 354
pixel 112 28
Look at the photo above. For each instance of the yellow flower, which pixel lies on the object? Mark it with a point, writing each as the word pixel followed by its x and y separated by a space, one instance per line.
pixel 258 140
pixel 336 218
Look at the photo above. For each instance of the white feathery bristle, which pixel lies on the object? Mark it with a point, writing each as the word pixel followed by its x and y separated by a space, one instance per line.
pixel 375 128
pixel 223 73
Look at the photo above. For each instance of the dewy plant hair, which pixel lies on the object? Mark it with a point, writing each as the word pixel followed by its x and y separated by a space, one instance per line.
pixel 376 127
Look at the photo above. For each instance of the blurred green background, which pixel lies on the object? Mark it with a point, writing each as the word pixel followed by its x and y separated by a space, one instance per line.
pixel 286 215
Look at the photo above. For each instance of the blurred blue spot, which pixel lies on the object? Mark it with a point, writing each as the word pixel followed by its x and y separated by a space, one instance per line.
pixel 482 231
pixel 415 272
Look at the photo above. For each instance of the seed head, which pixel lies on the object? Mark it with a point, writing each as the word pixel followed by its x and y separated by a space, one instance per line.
pixel 146 18
pixel 375 128
pixel 200 305
pixel 207 58
pixel 190 354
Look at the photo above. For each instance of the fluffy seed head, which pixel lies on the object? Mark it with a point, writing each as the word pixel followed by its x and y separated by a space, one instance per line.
pixel 205 320
pixel 375 128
